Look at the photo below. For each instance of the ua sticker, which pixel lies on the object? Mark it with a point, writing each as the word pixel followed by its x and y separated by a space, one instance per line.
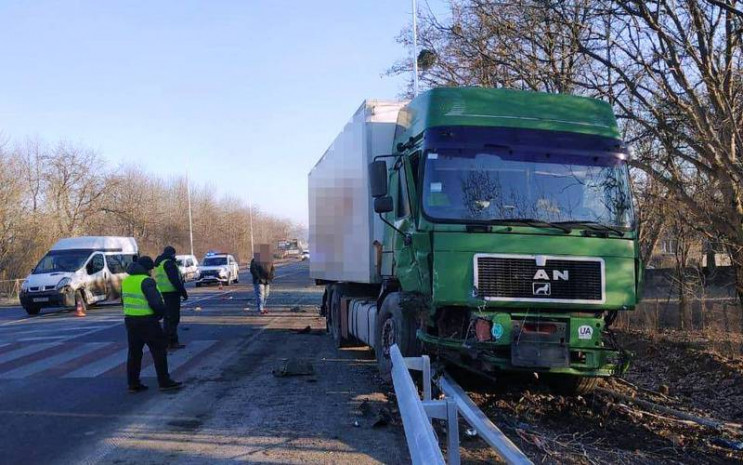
pixel 497 331
pixel 585 332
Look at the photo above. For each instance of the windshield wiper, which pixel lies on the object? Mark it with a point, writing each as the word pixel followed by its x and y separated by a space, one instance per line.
pixel 533 222
pixel 595 226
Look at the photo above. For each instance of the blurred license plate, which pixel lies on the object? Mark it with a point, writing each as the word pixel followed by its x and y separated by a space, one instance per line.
pixel 41 299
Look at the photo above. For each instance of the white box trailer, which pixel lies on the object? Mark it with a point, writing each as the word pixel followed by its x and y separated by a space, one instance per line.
pixel 343 225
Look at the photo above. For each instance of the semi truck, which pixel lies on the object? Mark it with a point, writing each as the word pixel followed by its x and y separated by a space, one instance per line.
pixel 489 228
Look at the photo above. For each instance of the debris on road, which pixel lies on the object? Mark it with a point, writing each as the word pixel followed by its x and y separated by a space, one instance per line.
pixel 297 309
pixel 305 330
pixel 384 418
pixel 197 309
pixel 294 367
pixel 727 443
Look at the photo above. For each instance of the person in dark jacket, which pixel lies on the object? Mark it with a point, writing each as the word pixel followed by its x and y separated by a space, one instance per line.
pixel 143 308
pixel 170 284
pixel 262 269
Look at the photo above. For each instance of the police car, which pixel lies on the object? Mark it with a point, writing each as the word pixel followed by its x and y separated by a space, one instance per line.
pixel 218 268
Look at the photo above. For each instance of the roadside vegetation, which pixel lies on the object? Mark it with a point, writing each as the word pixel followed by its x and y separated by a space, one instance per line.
pixel 50 191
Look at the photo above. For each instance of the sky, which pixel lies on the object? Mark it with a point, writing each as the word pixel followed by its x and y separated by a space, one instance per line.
pixel 244 95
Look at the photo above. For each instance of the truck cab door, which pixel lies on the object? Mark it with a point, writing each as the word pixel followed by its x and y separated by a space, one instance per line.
pixel 98 276
pixel 405 266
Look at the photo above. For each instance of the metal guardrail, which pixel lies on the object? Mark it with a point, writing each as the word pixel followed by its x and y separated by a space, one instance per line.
pixel 422 442
pixel 506 449
pixel 417 414
pixel 10 288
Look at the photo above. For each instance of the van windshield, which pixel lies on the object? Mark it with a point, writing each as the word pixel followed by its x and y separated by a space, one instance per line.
pixel 62 261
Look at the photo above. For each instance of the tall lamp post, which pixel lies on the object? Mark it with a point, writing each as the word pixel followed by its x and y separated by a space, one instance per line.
pixel 415 48
pixel 190 220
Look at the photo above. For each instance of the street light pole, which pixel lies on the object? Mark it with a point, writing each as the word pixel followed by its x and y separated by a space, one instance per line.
pixel 250 207
pixel 190 220
pixel 415 48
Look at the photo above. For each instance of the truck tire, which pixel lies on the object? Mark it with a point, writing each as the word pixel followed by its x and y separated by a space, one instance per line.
pixel 571 385
pixel 32 310
pixel 335 315
pixel 394 327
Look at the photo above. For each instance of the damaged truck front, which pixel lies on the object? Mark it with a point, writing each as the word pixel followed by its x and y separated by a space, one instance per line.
pixel 496 231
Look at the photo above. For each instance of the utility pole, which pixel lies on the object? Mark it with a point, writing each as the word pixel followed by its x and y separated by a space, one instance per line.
pixel 415 48
pixel 190 220
pixel 250 214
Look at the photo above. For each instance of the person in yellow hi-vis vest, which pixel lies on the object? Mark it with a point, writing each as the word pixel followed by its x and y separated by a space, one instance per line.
pixel 170 284
pixel 143 308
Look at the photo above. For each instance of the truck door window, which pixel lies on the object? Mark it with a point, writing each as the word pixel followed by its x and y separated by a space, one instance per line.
pixel 403 208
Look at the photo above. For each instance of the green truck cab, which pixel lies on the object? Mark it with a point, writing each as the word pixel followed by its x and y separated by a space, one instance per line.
pixel 510 242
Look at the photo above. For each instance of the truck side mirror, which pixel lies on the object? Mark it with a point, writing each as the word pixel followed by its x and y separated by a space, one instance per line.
pixel 378 180
pixel 383 204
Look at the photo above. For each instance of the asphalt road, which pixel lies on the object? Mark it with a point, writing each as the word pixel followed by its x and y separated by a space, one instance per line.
pixel 63 396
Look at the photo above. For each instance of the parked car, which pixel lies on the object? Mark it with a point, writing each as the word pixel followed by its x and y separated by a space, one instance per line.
pixel 79 271
pixel 188 266
pixel 218 268
pixel 305 255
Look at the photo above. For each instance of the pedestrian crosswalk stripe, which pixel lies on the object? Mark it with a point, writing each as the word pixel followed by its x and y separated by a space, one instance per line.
pixel 100 366
pixel 181 356
pixel 28 350
pixel 50 362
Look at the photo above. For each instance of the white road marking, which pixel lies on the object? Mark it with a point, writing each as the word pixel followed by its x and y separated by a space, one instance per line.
pixel 50 362
pixel 100 366
pixel 41 338
pixel 22 352
pixel 178 358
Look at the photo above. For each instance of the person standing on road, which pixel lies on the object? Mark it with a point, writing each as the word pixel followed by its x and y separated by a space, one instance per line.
pixel 170 284
pixel 143 308
pixel 262 269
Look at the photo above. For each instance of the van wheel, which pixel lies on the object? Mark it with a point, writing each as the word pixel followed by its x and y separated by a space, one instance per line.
pixel 394 327
pixel 32 310
pixel 80 301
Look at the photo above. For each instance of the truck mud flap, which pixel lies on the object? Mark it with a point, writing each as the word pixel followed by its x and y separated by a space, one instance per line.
pixel 540 344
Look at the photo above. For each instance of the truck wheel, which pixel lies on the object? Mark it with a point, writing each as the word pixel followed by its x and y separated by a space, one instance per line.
pixel 571 385
pixel 31 310
pixel 335 316
pixel 394 327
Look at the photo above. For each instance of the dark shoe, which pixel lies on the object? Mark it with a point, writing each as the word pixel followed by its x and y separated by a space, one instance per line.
pixel 138 388
pixel 171 386
pixel 176 346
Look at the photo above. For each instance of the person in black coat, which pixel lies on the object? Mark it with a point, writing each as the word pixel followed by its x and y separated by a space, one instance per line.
pixel 262 270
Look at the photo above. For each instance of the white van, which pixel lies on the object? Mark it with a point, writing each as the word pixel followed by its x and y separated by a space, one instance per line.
pixel 79 270
pixel 188 266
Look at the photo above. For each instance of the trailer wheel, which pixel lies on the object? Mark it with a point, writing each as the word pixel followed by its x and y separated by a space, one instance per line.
pixel 394 327
pixel 571 385
pixel 335 315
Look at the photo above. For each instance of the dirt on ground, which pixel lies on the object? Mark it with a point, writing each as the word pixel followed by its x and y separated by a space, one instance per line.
pixel 648 416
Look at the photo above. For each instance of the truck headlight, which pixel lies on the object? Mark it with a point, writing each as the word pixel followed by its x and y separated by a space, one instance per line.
pixel 62 283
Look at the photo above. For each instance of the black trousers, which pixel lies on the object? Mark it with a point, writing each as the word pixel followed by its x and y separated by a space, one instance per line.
pixel 172 316
pixel 141 331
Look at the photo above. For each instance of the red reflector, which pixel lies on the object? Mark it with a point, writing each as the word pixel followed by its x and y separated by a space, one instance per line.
pixel 482 330
pixel 543 328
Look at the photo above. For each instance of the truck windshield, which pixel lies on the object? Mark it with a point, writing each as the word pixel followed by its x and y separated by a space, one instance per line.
pixel 215 261
pixel 503 184
pixel 62 261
